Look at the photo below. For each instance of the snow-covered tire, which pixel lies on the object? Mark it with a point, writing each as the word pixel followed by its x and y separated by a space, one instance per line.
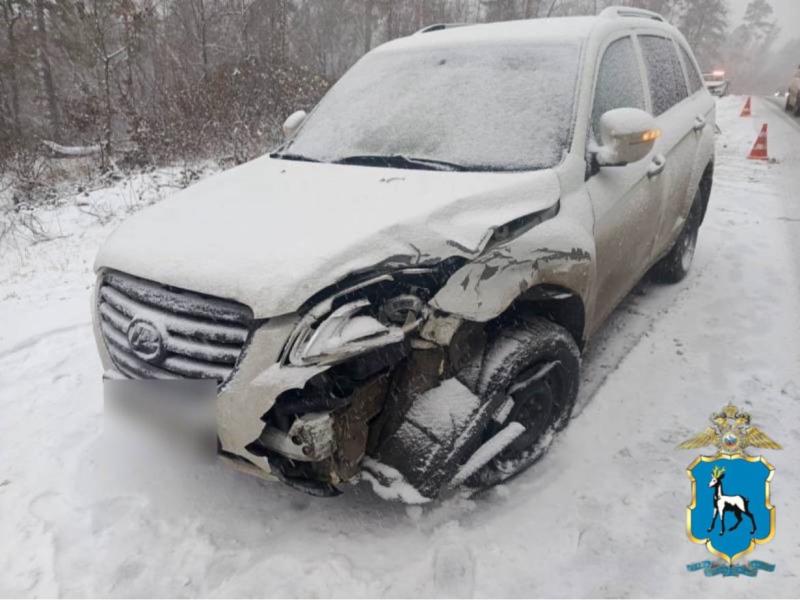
pixel 675 266
pixel 516 355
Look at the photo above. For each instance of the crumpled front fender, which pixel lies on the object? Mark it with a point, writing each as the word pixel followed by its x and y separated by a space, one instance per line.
pixel 556 252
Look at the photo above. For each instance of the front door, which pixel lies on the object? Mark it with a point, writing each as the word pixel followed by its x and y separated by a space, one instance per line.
pixel 624 199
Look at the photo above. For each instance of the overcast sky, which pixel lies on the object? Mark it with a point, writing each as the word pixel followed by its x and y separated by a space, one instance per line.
pixel 787 13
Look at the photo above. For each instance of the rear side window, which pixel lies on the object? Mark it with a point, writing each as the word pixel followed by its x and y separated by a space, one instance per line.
pixel 667 83
pixel 695 80
pixel 619 82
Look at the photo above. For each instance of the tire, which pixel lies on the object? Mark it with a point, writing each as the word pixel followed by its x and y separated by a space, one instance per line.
pixel 542 404
pixel 675 266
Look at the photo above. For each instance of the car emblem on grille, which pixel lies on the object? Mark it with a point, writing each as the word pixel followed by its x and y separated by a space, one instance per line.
pixel 146 340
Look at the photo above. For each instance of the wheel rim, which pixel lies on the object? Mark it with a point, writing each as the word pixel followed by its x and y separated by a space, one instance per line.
pixel 538 396
pixel 688 244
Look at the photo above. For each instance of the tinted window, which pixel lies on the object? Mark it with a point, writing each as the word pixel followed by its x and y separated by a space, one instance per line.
pixel 695 81
pixel 667 84
pixel 619 83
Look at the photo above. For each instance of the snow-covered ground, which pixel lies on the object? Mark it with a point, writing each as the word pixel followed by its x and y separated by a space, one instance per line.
pixel 601 515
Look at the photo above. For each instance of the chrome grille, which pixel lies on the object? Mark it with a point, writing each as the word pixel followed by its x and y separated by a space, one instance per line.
pixel 177 333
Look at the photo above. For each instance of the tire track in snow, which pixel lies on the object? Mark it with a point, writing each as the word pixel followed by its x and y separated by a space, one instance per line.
pixel 625 329
pixel 35 339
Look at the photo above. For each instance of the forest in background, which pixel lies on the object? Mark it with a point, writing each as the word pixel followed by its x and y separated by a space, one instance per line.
pixel 135 83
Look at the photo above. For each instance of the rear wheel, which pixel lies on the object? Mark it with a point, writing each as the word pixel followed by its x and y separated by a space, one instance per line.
pixel 675 266
pixel 535 365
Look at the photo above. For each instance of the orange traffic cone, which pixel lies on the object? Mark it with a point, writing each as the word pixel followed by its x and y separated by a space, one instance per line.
pixel 746 110
pixel 759 151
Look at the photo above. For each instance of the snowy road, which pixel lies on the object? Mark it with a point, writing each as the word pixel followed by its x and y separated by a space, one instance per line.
pixel 601 515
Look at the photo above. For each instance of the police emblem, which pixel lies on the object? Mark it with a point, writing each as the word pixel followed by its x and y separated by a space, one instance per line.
pixel 730 511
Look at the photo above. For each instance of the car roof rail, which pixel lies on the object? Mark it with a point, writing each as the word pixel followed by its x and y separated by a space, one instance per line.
pixel 627 11
pixel 439 27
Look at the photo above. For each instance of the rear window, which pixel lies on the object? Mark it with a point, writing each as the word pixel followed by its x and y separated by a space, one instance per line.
pixel 664 72
pixel 695 81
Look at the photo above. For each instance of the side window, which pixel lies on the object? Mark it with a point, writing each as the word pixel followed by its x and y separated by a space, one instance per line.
pixel 619 83
pixel 667 83
pixel 695 81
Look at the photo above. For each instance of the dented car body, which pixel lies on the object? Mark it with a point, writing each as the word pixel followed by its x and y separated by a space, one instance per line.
pixel 416 322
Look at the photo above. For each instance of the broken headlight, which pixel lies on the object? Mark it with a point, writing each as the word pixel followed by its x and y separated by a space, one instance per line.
pixel 354 322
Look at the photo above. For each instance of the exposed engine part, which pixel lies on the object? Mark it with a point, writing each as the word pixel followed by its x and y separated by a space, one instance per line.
pixel 440 329
pixel 351 426
pixel 403 309
pixel 327 444
pixel 310 438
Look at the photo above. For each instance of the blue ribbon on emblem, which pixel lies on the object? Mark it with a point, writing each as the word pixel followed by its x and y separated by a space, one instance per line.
pixel 751 569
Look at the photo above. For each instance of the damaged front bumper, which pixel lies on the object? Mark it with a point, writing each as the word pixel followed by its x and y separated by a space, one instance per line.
pixel 336 380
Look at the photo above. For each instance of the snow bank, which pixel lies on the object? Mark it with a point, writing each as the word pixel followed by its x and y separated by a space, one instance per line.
pixel 601 515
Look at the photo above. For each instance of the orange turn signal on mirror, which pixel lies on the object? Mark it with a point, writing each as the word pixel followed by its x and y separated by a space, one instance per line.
pixel 651 135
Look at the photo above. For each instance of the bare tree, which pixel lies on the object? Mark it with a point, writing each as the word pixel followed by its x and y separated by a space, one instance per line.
pixel 11 16
pixel 46 73
pixel 159 80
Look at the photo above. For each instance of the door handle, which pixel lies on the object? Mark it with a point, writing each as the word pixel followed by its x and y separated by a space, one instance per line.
pixel 656 165
pixel 699 123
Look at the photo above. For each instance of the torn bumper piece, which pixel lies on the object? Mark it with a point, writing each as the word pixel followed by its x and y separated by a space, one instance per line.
pixel 400 404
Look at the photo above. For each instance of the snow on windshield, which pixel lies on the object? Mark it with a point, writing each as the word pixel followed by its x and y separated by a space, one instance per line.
pixel 490 106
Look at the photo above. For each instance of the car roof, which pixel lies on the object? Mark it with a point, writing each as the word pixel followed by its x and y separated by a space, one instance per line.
pixel 523 30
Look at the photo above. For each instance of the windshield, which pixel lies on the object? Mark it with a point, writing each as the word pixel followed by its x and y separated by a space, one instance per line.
pixel 482 107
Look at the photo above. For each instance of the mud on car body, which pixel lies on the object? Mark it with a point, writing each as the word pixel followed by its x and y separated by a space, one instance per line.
pixel 402 290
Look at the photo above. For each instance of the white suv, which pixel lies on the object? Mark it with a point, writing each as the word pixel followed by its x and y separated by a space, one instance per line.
pixel 402 290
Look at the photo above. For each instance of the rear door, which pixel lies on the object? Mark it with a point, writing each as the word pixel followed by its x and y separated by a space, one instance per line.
pixel 676 149
pixel 703 113
pixel 626 211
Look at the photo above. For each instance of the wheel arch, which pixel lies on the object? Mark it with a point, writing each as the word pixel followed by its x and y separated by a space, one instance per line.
pixel 706 182
pixel 557 303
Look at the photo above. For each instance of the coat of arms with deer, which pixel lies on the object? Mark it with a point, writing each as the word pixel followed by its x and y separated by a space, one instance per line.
pixel 730 511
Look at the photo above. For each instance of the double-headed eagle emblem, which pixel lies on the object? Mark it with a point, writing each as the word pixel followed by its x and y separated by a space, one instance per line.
pixel 731 433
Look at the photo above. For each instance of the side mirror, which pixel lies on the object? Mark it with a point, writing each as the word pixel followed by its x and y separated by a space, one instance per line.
pixel 293 122
pixel 626 135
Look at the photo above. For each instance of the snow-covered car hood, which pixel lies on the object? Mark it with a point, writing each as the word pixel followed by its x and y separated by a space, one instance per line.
pixel 271 233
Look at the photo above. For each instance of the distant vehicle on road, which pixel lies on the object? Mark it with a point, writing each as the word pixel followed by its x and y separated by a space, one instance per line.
pixel 716 83
pixel 793 96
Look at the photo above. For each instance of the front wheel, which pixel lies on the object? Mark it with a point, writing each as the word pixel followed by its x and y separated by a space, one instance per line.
pixel 535 366
pixel 675 266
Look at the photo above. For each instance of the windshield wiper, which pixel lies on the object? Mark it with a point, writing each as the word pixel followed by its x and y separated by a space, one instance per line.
pixel 400 161
pixel 290 156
